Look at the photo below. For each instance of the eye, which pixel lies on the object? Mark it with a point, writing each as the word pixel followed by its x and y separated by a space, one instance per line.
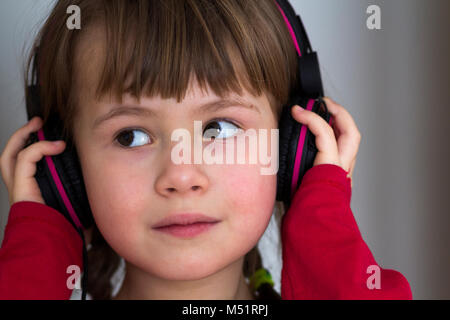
pixel 220 129
pixel 131 138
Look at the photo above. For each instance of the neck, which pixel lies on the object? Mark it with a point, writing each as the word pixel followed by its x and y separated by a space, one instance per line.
pixel 226 284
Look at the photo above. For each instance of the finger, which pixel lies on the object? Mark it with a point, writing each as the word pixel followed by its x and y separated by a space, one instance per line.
pixel 348 149
pixel 19 138
pixel 342 119
pixel 324 135
pixel 13 147
pixel 27 159
pixel 349 136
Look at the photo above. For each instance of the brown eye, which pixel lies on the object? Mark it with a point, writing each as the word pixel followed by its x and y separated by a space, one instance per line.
pixel 215 130
pixel 132 138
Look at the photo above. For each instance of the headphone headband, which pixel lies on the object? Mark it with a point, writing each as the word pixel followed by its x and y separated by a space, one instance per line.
pixel 308 62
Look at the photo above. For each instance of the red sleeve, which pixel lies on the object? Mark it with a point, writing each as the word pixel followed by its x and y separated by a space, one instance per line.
pixel 39 245
pixel 324 255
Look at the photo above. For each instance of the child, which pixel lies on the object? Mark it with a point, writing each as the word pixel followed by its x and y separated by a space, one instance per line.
pixel 135 72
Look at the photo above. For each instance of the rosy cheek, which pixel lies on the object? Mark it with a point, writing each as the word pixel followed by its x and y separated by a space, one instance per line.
pixel 118 217
pixel 113 199
pixel 250 196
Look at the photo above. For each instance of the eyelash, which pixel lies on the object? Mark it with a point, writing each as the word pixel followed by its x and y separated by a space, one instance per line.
pixel 145 131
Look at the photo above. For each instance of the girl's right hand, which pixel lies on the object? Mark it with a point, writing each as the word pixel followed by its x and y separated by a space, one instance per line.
pixel 18 165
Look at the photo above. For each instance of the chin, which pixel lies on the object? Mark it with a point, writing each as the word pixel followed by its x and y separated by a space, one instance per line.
pixel 185 274
pixel 185 271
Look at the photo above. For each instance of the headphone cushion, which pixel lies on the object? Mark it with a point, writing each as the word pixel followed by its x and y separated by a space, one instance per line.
pixel 69 173
pixel 289 130
pixel 71 176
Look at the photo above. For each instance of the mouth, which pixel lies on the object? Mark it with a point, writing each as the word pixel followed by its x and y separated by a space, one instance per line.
pixel 185 225
pixel 188 230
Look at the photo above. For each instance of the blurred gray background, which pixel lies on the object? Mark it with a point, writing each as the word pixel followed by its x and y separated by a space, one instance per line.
pixel 395 82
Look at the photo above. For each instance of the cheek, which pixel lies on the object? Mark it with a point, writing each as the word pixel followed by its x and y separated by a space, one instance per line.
pixel 116 195
pixel 250 198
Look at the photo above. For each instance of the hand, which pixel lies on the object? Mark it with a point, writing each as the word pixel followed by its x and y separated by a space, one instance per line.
pixel 18 165
pixel 338 144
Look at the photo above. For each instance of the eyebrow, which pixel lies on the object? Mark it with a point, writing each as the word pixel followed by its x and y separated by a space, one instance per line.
pixel 134 110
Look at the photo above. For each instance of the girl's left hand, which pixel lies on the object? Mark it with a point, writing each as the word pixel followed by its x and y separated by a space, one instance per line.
pixel 338 144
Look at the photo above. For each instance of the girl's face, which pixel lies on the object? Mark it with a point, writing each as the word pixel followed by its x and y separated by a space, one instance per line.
pixel 132 182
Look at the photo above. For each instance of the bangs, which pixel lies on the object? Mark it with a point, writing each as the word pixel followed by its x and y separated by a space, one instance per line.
pixel 158 47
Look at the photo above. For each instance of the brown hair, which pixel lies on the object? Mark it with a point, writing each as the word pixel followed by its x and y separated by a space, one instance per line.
pixel 155 47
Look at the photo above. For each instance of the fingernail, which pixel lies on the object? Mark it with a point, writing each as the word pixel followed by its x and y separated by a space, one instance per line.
pixel 297 107
pixel 58 143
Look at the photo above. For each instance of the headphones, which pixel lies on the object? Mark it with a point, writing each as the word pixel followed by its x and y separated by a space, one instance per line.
pixel 297 148
pixel 60 177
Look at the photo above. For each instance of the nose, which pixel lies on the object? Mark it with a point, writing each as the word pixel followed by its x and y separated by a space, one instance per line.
pixel 181 180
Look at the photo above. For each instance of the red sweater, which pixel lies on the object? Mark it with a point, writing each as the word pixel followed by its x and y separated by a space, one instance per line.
pixel 324 255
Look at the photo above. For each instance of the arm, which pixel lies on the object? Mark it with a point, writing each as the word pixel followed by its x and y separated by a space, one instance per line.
pixel 324 255
pixel 39 245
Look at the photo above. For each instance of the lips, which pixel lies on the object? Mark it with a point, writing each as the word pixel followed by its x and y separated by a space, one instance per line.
pixel 184 219
pixel 187 231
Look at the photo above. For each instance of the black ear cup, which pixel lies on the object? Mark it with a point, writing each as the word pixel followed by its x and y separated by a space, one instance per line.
pixel 73 198
pixel 297 150
pixel 310 78
pixel 289 132
pixel 72 179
